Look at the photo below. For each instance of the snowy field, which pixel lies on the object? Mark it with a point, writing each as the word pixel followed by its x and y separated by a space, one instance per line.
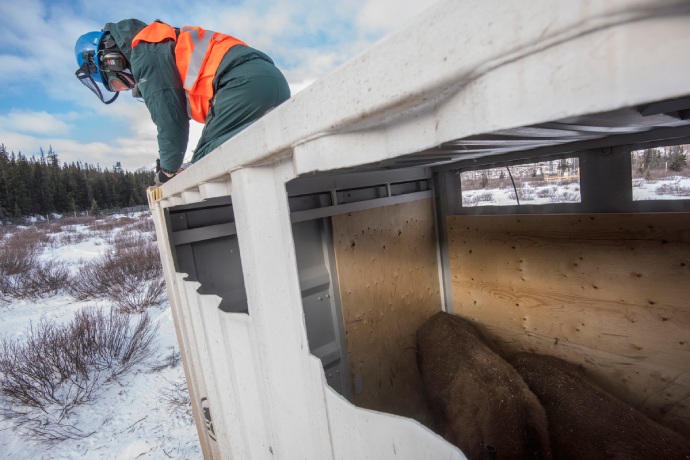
pixel 143 413
pixel 539 193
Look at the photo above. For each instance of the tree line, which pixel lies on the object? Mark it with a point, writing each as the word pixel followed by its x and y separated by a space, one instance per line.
pixel 39 185
pixel 672 158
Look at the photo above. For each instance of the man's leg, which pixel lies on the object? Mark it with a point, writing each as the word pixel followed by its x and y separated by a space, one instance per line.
pixel 244 95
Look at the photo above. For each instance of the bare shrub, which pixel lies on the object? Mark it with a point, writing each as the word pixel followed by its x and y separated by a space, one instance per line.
pixel 476 198
pixel 17 255
pixel 104 227
pixel 672 189
pixel 47 279
pixel 172 361
pixel 74 221
pixel 125 240
pixel 547 192
pixel 68 237
pixel 131 276
pixel 638 183
pixel 144 224
pixel 59 367
pixel 22 274
pixel 176 396
pixel 35 237
pixel 125 221
pixel 525 194
pixel 565 196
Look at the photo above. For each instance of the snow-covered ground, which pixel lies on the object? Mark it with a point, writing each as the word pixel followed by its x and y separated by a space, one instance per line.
pixel 535 193
pixel 133 417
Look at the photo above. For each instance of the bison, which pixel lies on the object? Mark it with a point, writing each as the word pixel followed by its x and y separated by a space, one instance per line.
pixel 585 422
pixel 479 402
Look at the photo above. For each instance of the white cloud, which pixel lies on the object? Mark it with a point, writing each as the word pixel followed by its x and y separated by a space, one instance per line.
pixel 34 122
pixel 131 153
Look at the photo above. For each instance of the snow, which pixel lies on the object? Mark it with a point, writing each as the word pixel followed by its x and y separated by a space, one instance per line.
pixel 132 417
pixel 661 189
pixel 538 193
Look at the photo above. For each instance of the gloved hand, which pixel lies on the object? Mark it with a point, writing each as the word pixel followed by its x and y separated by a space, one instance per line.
pixel 161 177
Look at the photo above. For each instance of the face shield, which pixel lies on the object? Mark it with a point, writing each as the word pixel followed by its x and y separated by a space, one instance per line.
pixel 85 72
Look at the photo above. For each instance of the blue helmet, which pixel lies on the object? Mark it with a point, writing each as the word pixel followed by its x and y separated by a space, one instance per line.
pixel 89 43
pixel 100 61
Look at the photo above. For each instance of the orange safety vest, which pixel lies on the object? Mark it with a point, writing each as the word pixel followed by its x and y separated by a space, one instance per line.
pixel 198 53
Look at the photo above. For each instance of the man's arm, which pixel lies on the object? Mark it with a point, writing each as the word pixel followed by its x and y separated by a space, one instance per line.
pixel 155 70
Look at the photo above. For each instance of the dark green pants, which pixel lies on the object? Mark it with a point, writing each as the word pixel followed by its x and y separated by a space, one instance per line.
pixel 244 95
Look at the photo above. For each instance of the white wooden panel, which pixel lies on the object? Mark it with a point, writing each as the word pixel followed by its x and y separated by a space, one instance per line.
pixel 182 327
pixel 246 384
pixel 215 189
pixel 191 196
pixel 188 350
pixel 293 380
pixel 227 422
pixel 221 447
pixel 368 435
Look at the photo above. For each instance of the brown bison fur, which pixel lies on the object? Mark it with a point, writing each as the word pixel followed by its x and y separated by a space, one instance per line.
pixel 585 422
pixel 476 397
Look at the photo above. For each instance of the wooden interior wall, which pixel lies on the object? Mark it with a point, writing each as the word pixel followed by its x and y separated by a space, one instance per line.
pixel 389 285
pixel 610 292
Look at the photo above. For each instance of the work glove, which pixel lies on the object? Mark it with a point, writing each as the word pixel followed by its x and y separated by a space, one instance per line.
pixel 161 177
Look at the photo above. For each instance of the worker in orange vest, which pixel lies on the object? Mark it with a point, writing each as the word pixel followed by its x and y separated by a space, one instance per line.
pixel 184 73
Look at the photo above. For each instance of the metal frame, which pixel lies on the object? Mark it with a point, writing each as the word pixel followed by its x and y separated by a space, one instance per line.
pixel 605 182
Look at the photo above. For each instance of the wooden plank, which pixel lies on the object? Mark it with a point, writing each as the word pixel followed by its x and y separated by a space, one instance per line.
pixel 608 291
pixel 388 275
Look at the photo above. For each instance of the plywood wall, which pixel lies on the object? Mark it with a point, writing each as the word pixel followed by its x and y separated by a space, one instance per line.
pixel 609 292
pixel 389 284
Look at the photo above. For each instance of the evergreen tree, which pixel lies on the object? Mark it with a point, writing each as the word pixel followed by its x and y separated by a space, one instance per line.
pixel 39 185
pixel 94 208
pixel 59 190
pixel 4 186
pixel 44 185
pixel 21 182
pixel 677 158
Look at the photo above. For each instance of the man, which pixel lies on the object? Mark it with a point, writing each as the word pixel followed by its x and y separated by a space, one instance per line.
pixel 184 73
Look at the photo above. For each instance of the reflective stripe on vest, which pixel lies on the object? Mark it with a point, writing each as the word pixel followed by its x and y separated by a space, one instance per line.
pixel 198 54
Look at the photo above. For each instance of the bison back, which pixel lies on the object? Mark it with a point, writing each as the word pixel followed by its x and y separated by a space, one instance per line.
pixel 585 422
pixel 476 397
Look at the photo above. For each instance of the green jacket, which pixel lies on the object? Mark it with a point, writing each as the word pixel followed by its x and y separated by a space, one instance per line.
pixel 154 68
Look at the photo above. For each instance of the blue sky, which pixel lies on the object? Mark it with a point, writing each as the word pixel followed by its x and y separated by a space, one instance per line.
pixel 42 104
